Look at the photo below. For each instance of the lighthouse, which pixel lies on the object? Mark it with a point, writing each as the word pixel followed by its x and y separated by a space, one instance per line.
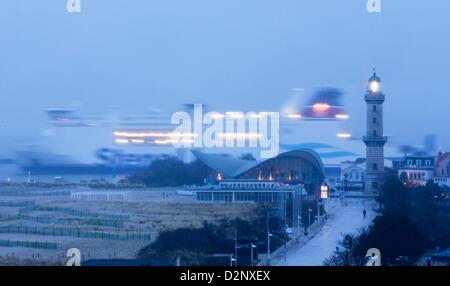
pixel 374 138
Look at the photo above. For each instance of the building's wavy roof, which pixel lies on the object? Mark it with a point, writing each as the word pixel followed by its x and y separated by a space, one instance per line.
pixel 231 167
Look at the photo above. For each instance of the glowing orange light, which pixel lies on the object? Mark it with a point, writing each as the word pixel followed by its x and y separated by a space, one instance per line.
pixel 324 192
pixel 321 107
pixel 219 177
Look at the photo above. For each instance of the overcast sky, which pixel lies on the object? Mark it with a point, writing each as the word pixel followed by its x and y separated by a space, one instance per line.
pixel 231 54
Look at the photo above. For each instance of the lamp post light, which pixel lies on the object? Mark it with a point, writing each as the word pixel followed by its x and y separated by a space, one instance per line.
pixel 232 260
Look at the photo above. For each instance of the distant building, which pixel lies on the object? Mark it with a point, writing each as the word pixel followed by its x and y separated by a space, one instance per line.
pixel 374 138
pixel 442 170
pixel 353 175
pixel 416 169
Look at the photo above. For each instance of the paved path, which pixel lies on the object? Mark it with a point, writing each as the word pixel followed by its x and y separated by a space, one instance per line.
pixel 343 219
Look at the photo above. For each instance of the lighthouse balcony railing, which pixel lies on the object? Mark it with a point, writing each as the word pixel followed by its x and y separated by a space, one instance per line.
pixel 375 138
pixel 378 97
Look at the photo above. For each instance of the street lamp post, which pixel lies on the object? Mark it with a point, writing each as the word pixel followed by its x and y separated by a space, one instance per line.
pixel 318 211
pixel 267 228
pixel 309 221
pixel 269 235
pixel 235 245
pixel 229 255
pixel 309 216
pixel 299 210
pixel 251 252
pixel 342 188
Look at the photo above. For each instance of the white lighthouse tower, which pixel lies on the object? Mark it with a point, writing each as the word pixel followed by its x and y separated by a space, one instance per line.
pixel 374 138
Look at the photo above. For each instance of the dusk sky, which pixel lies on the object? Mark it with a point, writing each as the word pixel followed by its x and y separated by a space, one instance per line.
pixel 132 56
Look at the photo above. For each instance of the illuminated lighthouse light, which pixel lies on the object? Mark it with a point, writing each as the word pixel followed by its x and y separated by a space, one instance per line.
pixel 374 86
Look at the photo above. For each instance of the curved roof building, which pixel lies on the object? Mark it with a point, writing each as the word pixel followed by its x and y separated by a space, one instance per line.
pixel 301 166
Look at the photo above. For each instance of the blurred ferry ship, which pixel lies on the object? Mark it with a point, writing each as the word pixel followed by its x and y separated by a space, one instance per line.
pixel 120 145
pixel 83 144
